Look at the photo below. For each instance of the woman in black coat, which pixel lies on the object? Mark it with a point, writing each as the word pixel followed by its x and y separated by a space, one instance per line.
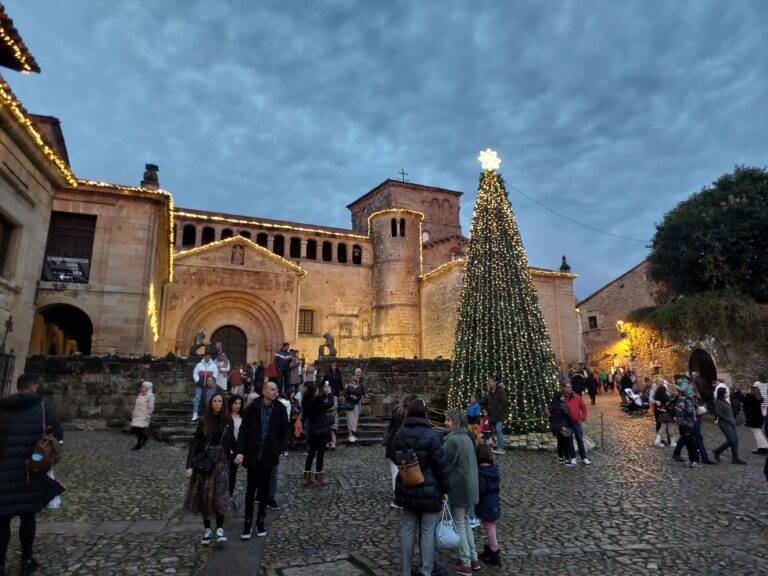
pixel 753 414
pixel 422 503
pixel 560 425
pixel 314 408
pixel 395 423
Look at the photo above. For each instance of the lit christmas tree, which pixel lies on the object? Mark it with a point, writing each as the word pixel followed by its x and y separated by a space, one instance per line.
pixel 500 330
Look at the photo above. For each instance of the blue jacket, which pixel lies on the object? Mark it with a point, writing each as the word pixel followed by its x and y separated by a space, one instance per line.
pixel 474 412
pixel 488 508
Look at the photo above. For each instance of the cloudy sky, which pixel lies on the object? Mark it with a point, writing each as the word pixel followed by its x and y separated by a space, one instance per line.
pixel 609 113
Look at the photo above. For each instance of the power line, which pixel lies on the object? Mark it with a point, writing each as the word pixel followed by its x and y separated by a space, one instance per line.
pixel 587 226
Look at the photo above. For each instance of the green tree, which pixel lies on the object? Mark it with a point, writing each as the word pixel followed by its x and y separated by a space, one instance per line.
pixel 717 239
pixel 500 330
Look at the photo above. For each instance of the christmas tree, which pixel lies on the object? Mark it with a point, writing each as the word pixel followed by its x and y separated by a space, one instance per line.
pixel 500 331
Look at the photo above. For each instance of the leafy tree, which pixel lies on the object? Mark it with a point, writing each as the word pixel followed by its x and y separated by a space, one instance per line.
pixel 717 239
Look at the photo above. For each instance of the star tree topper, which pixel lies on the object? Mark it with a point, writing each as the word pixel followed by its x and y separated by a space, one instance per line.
pixel 489 160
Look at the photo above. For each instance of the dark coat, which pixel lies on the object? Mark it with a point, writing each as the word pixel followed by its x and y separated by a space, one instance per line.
pixel 559 414
pixel 203 437
pixel 21 425
pixel 497 405
pixel 592 384
pixel 315 411
pixel 427 443
pixel 249 438
pixel 752 412
pixel 488 509
pixel 334 379
pixel 395 421
pixel 578 383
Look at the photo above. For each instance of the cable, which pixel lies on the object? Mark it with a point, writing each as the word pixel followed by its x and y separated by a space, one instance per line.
pixel 571 219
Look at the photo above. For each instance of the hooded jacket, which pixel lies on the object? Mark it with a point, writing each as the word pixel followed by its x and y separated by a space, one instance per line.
pixel 488 509
pixel 427 443
pixel 21 425
pixel 559 414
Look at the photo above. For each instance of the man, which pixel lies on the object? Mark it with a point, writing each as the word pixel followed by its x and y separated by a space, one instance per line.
pixel 283 364
pixel 258 375
pixel 697 437
pixel 222 363
pixel 578 382
pixel 497 412
pixel 578 412
pixel 23 494
pixel 296 372
pixel 262 438
pixel 205 369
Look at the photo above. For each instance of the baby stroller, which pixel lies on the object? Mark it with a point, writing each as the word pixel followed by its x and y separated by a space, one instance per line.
pixel 636 404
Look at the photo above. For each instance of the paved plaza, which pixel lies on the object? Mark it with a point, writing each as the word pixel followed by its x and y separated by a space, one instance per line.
pixel 634 511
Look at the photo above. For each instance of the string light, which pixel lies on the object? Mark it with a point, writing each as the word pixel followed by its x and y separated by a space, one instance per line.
pixel 17 46
pixel 152 313
pixel 533 270
pixel 408 212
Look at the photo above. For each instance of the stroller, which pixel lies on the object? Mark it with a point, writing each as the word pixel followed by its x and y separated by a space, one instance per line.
pixel 636 404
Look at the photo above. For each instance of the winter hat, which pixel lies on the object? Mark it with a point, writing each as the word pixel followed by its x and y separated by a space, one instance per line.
pixel 683 386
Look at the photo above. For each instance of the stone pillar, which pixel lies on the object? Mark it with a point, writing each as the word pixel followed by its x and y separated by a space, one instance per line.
pixel 270 243
pixel 303 252
pixel 198 235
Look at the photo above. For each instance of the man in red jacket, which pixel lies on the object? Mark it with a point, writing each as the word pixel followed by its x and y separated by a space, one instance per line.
pixel 578 415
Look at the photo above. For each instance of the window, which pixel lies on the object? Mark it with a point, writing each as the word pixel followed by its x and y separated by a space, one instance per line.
pixel 592 322
pixel 306 320
pixel 227 233
pixel 341 253
pixel 394 227
pixel 327 251
pixel 295 248
pixel 357 254
pixel 425 237
pixel 209 235
pixel 6 232
pixel 278 247
pixel 402 226
pixel 69 248
pixel 188 236
pixel 261 239
pixel 245 234
pixel 311 249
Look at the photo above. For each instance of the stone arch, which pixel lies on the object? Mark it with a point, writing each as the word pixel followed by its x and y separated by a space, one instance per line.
pixel 700 361
pixel 434 210
pixel 60 330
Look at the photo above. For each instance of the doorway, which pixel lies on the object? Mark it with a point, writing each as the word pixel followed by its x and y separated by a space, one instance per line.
pixel 701 362
pixel 233 342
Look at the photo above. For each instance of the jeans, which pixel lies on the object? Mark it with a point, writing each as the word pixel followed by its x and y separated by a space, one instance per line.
pixel 273 483
pixel 27 529
pixel 499 427
pixel 687 439
pixel 257 482
pixel 731 441
pixel 198 398
pixel 411 521
pixel 315 447
pixel 467 551
pixel 578 434
pixel 697 437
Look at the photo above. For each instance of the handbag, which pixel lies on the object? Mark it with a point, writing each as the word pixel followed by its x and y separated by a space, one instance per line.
pixel 47 451
pixel 566 431
pixel 409 468
pixel 445 531
pixel 205 463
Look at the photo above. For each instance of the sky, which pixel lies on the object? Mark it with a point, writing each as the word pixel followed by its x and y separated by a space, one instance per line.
pixel 607 112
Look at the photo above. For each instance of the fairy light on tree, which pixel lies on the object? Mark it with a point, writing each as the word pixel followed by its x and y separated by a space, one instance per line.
pixel 500 329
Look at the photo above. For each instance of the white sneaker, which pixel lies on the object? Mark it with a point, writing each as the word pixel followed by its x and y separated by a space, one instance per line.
pixel 499 451
pixel 586 461
pixel 570 463
pixel 194 417
pixel 352 439
pixel 206 539
pixel 220 535
pixel 573 461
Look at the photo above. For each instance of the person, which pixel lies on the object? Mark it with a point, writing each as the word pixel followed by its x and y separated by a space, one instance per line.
pixel 223 365
pixel 283 364
pixel 559 423
pixel 485 426
pixel 396 420
pixel 726 421
pixel 235 405
pixel 659 398
pixel 142 412
pixel 488 508
pixel 463 491
pixel 625 381
pixel 497 411
pixel 295 365
pixel 333 414
pixel 703 390
pixel 578 382
pixel 474 412
pixel 236 380
pixel 754 419
pixel 685 416
pixel 208 490
pixel 592 385
pixel 211 388
pixel 604 380
pixel 295 419
pixel 578 414
pixel 203 370
pixel 263 437
pixel 353 394
pixel 315 405
pixel 762 385
pixel 23 416
pixel 311 375
pixel 258 376
pixel 333 377
pixel 421 503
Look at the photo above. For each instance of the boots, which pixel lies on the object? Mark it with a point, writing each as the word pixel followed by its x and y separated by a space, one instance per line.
pixel 320 479
pixel 307 478
pixel 490 557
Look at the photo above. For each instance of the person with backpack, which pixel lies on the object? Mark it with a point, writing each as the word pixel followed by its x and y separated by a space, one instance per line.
pixel 488 509
pixel 25 488
pixel 396 419
pixel 685 416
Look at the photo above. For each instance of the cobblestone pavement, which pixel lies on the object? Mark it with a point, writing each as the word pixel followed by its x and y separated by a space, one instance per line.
pixel 634 511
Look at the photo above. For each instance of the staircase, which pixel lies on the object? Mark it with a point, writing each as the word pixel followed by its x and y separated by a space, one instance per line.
pixel 370 431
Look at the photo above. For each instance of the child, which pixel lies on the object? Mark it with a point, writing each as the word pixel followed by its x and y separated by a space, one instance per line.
pixel 473 417
pixel 488 509
pixel 485 426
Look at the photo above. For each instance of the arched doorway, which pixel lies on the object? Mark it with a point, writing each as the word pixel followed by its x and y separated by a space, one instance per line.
pixel 233 342
pixel 701 362
pixel 61 330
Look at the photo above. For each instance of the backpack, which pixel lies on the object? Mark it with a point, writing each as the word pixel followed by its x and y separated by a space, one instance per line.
pixel 46 453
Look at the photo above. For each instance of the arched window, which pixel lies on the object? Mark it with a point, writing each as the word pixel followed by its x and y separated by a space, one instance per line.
pixel 402 226
pixel 262 239
pixel 294 249
pixel 188 235
pixel 446 211
pixel 341 253
pixel 357 254
pixel 245 234
pixel 311 249
pixel 394 227
pixel 209 235
pixel 434 210
pixel 327 251
pixel 278 247
pixel 227 233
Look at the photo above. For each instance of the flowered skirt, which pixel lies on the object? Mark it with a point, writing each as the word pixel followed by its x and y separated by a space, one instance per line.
pixel 208 492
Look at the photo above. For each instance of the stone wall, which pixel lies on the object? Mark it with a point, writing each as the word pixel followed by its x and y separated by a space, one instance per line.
pixel 103 389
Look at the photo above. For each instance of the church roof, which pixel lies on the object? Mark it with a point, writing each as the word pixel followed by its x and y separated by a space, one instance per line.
pixel 401 184
pixel 14 54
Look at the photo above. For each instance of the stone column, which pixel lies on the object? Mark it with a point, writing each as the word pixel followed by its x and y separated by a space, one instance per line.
pixel 270 243
pixel 198 235
pixel 303 251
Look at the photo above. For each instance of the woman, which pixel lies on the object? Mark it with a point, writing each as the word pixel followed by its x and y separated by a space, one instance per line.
pixel 395 423
pixel 333 377
pixel 727 423
pixel 208 468
pixel 314 408
pixel 353 394
pixel 659 398
pixel 592 385
pixel 235 412
pixel 464 492
pixel 559 424
pixel 685 416
pixel 754 418
pixel 422 503
pixel 142 413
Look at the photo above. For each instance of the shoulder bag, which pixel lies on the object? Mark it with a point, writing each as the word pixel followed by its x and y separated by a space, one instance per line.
pixel 409 468
pixel 47 451
pixel 204 462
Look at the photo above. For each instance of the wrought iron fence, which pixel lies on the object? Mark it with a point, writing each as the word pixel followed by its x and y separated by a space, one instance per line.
pixel 6 373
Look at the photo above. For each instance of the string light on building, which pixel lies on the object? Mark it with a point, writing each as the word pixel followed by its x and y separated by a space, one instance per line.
pixel 404 211
pixel 152 313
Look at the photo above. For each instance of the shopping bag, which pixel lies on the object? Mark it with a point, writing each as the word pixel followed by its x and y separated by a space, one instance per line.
pixel 445 532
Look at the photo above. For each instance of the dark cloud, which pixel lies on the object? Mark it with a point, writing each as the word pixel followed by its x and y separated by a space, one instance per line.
pixel 608 112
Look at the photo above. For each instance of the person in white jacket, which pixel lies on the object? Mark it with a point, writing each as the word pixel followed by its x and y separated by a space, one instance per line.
pixel 142 413
pixel 222 363
pixel 205 368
